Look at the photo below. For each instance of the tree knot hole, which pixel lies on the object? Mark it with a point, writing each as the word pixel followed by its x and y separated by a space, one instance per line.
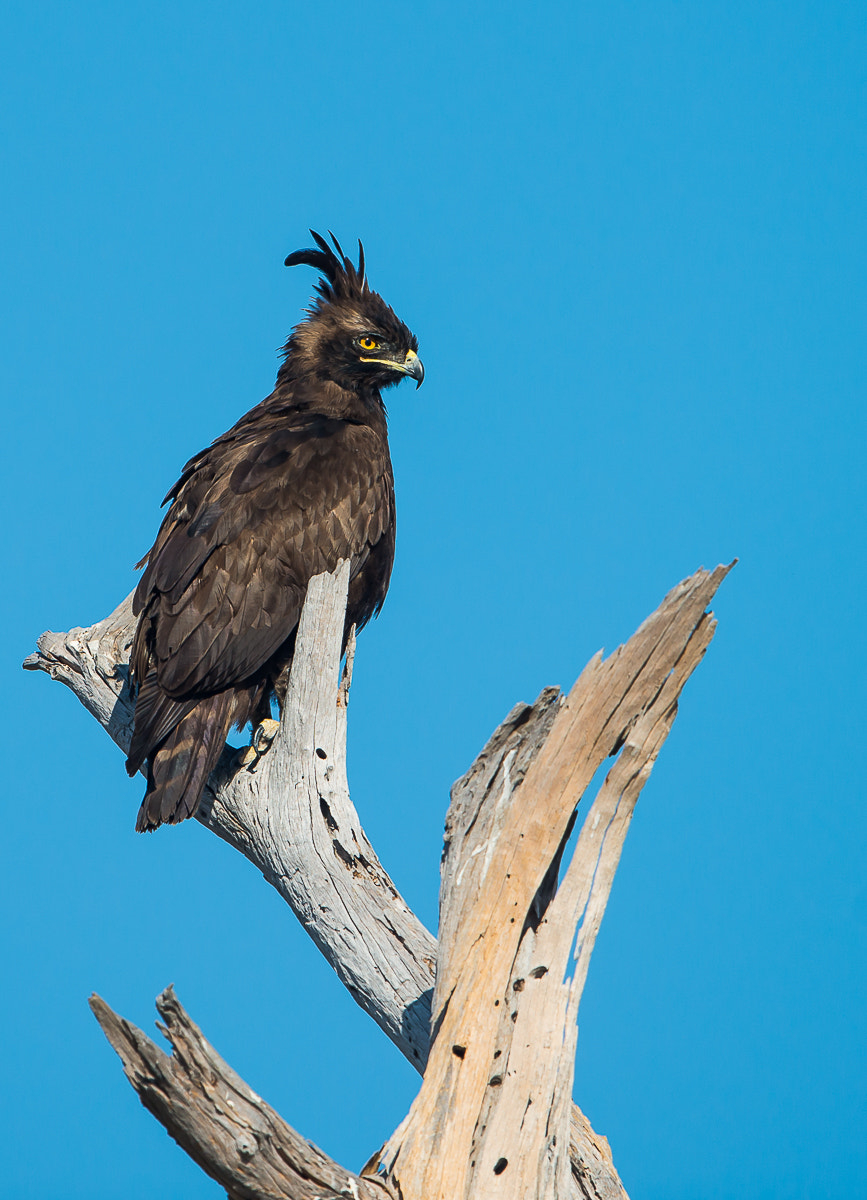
pixel 320 753
pixel 246 1146
pixel 500 1165
pixel 459 1051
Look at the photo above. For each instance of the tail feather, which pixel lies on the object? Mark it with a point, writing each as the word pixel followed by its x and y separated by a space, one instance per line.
pixel 179 767
pixel 156 715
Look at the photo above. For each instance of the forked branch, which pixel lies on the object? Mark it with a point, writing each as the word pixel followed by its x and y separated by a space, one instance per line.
pixel 292 817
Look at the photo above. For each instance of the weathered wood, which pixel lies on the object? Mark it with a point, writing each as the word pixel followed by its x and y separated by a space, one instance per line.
pixel 291 815
pixel 384 955
pixel 496 1096
pixel 233 1135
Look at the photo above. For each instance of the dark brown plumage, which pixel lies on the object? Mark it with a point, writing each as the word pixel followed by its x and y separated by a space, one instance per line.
pixel 301 481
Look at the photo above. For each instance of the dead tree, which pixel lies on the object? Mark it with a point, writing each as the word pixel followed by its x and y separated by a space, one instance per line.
pixel 487 1013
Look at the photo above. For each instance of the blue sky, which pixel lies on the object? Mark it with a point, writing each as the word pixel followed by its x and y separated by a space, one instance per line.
pixel 630 238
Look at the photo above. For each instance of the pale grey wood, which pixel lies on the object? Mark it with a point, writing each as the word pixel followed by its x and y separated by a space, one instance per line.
pixel 233 1135
pixel 384 955
pixel 291 815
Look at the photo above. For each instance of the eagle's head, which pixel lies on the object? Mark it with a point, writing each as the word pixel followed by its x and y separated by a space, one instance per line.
pixel 350 336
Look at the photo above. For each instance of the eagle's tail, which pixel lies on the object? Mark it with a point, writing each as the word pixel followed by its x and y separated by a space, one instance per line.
pixel 178 769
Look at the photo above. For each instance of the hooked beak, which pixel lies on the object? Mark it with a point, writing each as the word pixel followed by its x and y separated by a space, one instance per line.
pixel 411 365
pixel 414 368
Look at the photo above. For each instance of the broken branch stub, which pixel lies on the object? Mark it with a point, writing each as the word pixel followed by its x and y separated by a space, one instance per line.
pixel 232 1134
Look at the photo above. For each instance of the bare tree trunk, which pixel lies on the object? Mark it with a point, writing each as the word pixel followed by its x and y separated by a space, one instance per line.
pixel 496 1097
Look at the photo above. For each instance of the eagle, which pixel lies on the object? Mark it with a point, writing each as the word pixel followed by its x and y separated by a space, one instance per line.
pixel 302 481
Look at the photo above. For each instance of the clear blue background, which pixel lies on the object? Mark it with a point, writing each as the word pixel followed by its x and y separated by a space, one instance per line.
pixel 631 240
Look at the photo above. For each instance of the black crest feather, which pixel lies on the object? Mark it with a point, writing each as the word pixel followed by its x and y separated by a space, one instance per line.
pixel 340 277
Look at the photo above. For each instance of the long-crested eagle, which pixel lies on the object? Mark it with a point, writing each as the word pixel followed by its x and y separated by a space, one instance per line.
pixel 299 483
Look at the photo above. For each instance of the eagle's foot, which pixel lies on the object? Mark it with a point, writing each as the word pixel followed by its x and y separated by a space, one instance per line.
pixel 263 736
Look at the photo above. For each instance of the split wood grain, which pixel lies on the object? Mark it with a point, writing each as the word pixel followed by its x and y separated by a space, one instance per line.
pixel 496 1096
pixel 291 815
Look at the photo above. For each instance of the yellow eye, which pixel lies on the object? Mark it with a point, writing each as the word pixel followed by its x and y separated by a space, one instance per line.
pixel 368 343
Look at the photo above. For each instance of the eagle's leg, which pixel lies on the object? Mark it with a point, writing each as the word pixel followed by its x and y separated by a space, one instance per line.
pixel 257 711
pixel 264 727
pixel 281 685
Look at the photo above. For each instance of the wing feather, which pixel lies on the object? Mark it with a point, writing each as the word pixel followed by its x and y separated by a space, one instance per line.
pixel 249 526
